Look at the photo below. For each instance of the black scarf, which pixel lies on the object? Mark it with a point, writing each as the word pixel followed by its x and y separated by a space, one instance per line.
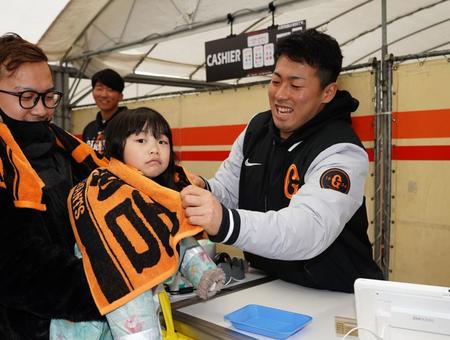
pixel 38 143
pixel 34 138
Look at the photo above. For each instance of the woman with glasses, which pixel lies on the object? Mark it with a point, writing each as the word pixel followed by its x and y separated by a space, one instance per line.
pixel 41 278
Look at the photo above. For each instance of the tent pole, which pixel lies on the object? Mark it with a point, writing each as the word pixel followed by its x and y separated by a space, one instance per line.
pixel 62 112
pixel 378 170
pixel 386 139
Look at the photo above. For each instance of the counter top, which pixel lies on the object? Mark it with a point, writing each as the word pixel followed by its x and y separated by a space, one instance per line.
pixel 323 306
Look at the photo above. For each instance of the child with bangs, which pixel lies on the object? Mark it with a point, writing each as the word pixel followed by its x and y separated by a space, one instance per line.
pixel 139 144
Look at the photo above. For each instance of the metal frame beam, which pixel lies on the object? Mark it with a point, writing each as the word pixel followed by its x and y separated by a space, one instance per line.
pixel 153 80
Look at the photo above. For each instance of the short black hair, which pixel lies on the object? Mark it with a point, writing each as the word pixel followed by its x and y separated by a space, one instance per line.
pixel 317 49
pixel 110 78
pixel 134 121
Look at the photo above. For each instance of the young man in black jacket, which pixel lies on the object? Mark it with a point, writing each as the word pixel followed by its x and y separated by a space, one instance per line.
pixel 107 87
pixel 41 278
pixel 291 191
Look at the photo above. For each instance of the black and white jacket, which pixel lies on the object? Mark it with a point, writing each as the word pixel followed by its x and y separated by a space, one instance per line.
pixel 296 206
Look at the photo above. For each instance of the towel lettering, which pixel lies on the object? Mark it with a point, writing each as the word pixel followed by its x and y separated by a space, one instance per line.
pixel 78 200
pixel 153 212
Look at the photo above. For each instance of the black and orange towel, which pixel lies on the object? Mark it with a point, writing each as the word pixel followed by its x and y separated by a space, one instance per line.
pixel 17 175
pixel 21 180
pixel 127 228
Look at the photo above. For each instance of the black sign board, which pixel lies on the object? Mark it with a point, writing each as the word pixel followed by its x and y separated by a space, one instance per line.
pixel 247 54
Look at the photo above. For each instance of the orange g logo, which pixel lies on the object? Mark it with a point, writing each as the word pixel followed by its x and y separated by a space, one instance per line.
pixel 335 179
pixel 291 181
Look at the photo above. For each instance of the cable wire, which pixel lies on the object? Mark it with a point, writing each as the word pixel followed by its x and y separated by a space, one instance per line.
pixel 377 337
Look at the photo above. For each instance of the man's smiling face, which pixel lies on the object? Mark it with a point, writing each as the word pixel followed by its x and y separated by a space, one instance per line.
pixel 295 95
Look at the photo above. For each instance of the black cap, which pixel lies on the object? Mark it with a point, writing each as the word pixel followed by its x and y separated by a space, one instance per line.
pixel 110 78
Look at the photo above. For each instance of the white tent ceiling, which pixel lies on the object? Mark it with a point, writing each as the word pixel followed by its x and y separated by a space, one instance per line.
pixel 165 39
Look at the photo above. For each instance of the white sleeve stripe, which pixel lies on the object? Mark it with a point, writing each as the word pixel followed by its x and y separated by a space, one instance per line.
pixel 230 227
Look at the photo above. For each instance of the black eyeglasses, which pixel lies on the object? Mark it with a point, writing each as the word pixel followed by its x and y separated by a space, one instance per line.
pixel 29 99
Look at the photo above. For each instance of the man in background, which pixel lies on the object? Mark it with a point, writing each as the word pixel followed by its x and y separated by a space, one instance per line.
pixel 107 87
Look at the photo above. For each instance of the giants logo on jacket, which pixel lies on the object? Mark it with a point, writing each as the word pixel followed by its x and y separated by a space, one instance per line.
pixel 335 179
pixel 291 181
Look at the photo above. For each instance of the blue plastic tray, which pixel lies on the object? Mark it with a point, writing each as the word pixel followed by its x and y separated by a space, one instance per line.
pixel 267 321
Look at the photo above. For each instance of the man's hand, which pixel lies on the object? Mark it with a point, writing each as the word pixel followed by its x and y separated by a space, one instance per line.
pixel 202 208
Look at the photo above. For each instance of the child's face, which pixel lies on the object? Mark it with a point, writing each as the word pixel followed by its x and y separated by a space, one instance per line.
pixel 146 153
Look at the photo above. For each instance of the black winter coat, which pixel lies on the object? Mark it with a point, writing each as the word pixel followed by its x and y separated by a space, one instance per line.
pixel 41 279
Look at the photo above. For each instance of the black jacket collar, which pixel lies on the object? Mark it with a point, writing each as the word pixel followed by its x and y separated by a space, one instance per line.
pixel 101 123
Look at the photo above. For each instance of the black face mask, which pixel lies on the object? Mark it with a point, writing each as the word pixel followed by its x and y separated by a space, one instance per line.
pixel 34 138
